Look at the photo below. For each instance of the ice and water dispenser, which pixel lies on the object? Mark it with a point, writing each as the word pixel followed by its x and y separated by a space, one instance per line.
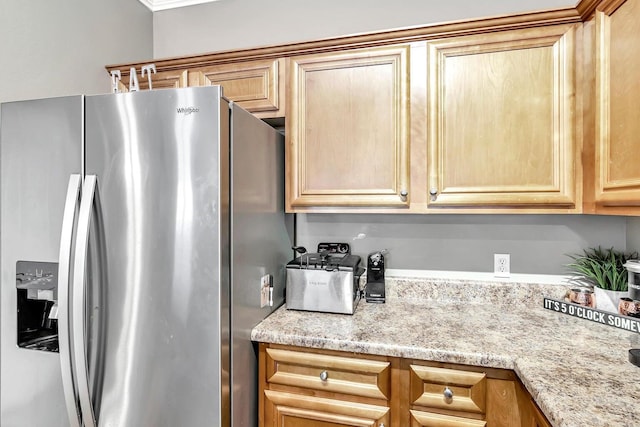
pixel 37 286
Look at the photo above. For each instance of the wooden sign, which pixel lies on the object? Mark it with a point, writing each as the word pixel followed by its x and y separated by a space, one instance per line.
pixel 627 323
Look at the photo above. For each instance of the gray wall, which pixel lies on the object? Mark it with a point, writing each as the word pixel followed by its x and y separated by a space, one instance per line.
pixel 633 233
pixel 538 244
pixel 56 48
pixel 231 24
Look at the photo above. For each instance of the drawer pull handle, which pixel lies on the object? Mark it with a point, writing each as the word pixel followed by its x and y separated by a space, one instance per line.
pixel 324 375
pixel 448 393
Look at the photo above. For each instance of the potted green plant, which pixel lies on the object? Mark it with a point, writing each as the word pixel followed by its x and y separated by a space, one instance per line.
pixel 604 270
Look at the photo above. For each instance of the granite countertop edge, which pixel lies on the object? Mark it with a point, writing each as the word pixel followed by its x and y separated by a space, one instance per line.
pixel 387 349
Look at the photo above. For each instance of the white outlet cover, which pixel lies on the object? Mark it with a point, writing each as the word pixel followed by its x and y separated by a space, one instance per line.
pixel 502 265
pixel 264 290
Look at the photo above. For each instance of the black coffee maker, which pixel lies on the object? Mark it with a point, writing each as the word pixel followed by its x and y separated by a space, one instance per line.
pixel 375 288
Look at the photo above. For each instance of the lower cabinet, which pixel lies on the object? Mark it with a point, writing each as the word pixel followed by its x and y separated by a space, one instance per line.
pixel 291 409
pixel 323 388
pixel 303 387
pixel 539 419
pixel 431 419
pixel 446 397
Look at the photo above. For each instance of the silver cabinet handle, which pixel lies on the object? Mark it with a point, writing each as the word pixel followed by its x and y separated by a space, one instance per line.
pixel 434 193
pixel 64 335
pixel 448 393
pixel 324 375
pixel 404 193
pixel 78 300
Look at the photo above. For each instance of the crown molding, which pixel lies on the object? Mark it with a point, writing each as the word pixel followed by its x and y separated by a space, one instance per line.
pixel 156 5
pixel 586 8
pixel 565 16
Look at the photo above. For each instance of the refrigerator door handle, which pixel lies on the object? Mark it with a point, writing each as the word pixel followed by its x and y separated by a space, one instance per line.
pixel 78 301
pixel 64 332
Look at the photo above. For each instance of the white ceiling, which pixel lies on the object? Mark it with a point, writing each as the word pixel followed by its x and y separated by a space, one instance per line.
pixel 155 5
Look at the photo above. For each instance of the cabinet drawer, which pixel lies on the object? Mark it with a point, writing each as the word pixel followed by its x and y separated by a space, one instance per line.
pixel 428 419
pixel 358 377
pixel 448 389
pixel 289 409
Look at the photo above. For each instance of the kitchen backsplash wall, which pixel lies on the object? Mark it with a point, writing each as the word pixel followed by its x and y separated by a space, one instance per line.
pixel 633 233
pixel 538 244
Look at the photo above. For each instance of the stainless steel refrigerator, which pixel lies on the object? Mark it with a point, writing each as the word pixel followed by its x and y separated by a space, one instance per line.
pixel 142 237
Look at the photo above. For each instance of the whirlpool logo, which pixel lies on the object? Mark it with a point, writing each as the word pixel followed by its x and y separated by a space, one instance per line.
pixel 187 110
pixel 317 283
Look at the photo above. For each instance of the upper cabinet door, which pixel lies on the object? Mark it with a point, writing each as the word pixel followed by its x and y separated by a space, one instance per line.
pixel 617 103
pixel 347 129
pixel 501 120
pixel 257 86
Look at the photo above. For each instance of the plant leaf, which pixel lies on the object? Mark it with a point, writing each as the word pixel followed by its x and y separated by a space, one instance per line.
pixel 602 267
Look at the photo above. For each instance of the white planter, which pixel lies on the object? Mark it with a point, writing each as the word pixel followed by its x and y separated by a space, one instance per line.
pixel 608 300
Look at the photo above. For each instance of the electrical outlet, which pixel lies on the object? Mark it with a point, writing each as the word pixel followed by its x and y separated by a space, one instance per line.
pixel 501 265
pixel 266 291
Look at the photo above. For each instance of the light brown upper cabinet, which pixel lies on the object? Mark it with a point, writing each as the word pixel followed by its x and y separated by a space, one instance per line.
pixel 617 147
pixel 162 80
pixel 501 120
pixel 257 86
pixel 347 129
pixel 525 113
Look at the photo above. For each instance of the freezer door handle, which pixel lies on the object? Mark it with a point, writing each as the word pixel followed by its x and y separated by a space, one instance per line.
pixel 64 284
pixel 78 305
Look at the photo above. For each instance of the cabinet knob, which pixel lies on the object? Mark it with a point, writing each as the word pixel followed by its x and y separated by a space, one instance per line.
pixel 434 193
pixel 404 194
pixel 324 375
pixel 448 393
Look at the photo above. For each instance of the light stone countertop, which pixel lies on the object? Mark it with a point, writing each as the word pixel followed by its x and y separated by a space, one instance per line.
pixel 577 371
